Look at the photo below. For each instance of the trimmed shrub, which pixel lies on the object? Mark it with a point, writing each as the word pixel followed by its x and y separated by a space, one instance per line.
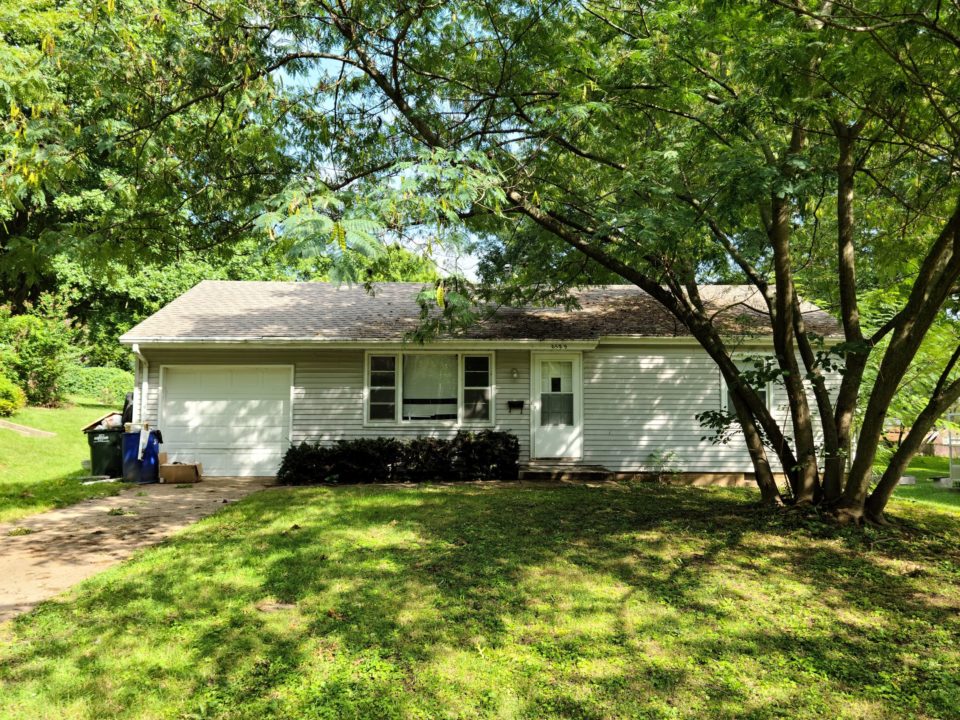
pixel 106 384
pixel 364 460
pixel 304 464
pixel 486 455
pixel 11 397
pixel 429 458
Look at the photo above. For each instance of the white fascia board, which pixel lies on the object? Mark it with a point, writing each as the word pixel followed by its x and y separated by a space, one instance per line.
pixel 166 343
pixel 733 343
pixel 677 341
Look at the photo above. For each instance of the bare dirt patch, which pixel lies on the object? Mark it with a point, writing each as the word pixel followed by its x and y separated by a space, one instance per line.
pixel 24 430
pixel 45 554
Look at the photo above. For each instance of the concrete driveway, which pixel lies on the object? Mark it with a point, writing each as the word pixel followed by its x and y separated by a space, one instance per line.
pixel 67 545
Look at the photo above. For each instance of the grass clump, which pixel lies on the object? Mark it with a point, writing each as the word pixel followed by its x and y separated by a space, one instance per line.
pixel 42 473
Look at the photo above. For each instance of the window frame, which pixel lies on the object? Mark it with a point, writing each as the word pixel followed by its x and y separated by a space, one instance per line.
pixel 725 391
pixel 398 420
pixel 367 370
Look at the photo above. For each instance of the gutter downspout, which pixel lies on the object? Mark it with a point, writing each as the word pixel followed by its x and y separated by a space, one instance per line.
pixel 144 375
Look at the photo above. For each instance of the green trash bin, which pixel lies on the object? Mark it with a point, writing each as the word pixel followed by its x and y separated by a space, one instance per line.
pixel 106 451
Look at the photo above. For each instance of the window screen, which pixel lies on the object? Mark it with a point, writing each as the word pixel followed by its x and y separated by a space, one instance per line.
pixel 429 387
pixel 383 387
pixel 476 387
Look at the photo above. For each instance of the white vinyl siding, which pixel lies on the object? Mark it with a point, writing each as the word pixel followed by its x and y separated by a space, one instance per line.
pixel 328 392
pixel 640 402
pixel 637 400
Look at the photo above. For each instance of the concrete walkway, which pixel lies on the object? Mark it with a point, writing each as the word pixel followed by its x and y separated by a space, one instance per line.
pixel 68 545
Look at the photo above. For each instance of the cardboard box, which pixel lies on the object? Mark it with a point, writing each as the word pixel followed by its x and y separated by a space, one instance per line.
pixel 177 473
pixel 163 458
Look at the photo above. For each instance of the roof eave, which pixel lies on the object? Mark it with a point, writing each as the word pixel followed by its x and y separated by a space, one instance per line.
pixel 309 342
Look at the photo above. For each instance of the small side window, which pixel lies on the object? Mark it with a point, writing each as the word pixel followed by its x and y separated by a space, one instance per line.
pixel 763 389
pixel 383 387
pixel 476 388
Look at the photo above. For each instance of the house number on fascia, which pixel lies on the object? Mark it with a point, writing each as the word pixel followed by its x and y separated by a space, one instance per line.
pixel 558 346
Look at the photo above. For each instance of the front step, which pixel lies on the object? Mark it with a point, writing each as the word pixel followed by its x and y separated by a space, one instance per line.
pixel 564 472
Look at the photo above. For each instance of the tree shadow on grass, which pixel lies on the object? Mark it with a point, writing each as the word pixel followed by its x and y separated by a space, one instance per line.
pixel 57 492
pixel 476 602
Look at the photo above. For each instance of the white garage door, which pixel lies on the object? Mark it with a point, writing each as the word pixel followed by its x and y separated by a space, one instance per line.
pixel 233 419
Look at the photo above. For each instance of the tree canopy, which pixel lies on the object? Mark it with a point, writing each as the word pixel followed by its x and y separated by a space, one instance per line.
pixel 805 148
pixel 141 144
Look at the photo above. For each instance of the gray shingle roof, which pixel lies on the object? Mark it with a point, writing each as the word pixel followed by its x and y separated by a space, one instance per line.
pixel 325 312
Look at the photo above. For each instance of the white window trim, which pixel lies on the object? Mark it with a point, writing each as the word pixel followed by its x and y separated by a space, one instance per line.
pixel 398 390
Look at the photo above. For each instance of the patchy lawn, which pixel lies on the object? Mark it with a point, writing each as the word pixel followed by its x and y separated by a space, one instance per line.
pixel 39 473
pixel 492 602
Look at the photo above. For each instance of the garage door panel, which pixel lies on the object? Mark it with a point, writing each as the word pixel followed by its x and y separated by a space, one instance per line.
pixel 235 420
pixel 222 462
pixel 238 437
pixel 251 413
pixel 226 384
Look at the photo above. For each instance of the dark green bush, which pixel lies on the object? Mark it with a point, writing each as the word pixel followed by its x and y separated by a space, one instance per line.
pixel 486 455
pixel 11 397
pixel 109 385
pixel 364 460
pixel 304 464
pixel 429 458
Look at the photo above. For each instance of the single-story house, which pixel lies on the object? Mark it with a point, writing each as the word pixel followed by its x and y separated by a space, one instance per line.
pixel 234 372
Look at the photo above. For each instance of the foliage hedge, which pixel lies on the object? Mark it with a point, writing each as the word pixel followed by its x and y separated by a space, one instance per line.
pixel 485 455
pixel 35 352
pixel 11 397
pixel 109 385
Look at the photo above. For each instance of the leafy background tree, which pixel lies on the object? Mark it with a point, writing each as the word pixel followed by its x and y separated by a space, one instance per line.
pixel 141 143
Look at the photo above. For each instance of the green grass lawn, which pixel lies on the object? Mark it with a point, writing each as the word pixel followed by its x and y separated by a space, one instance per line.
pixel 37 473
pixel 925 491
pixel 926 468
pixel 484 602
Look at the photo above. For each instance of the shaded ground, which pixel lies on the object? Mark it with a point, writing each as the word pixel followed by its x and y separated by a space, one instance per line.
pixel 477 602
pixel 45 554
pixel 40 473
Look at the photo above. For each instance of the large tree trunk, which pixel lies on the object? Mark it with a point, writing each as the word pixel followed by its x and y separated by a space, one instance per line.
pixel 708 337
pixel 935 281
pixel 855 363
pixel 945 395
pixel 805 476
pixel 834 458
pixel 769 492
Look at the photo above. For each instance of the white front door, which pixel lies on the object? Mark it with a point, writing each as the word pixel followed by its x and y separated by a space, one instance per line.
pixel 557 406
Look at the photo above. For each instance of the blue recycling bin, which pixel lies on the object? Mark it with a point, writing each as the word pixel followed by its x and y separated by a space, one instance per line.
pixel 147 469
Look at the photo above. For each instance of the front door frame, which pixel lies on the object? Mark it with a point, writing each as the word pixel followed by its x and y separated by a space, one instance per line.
pixel 535 406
